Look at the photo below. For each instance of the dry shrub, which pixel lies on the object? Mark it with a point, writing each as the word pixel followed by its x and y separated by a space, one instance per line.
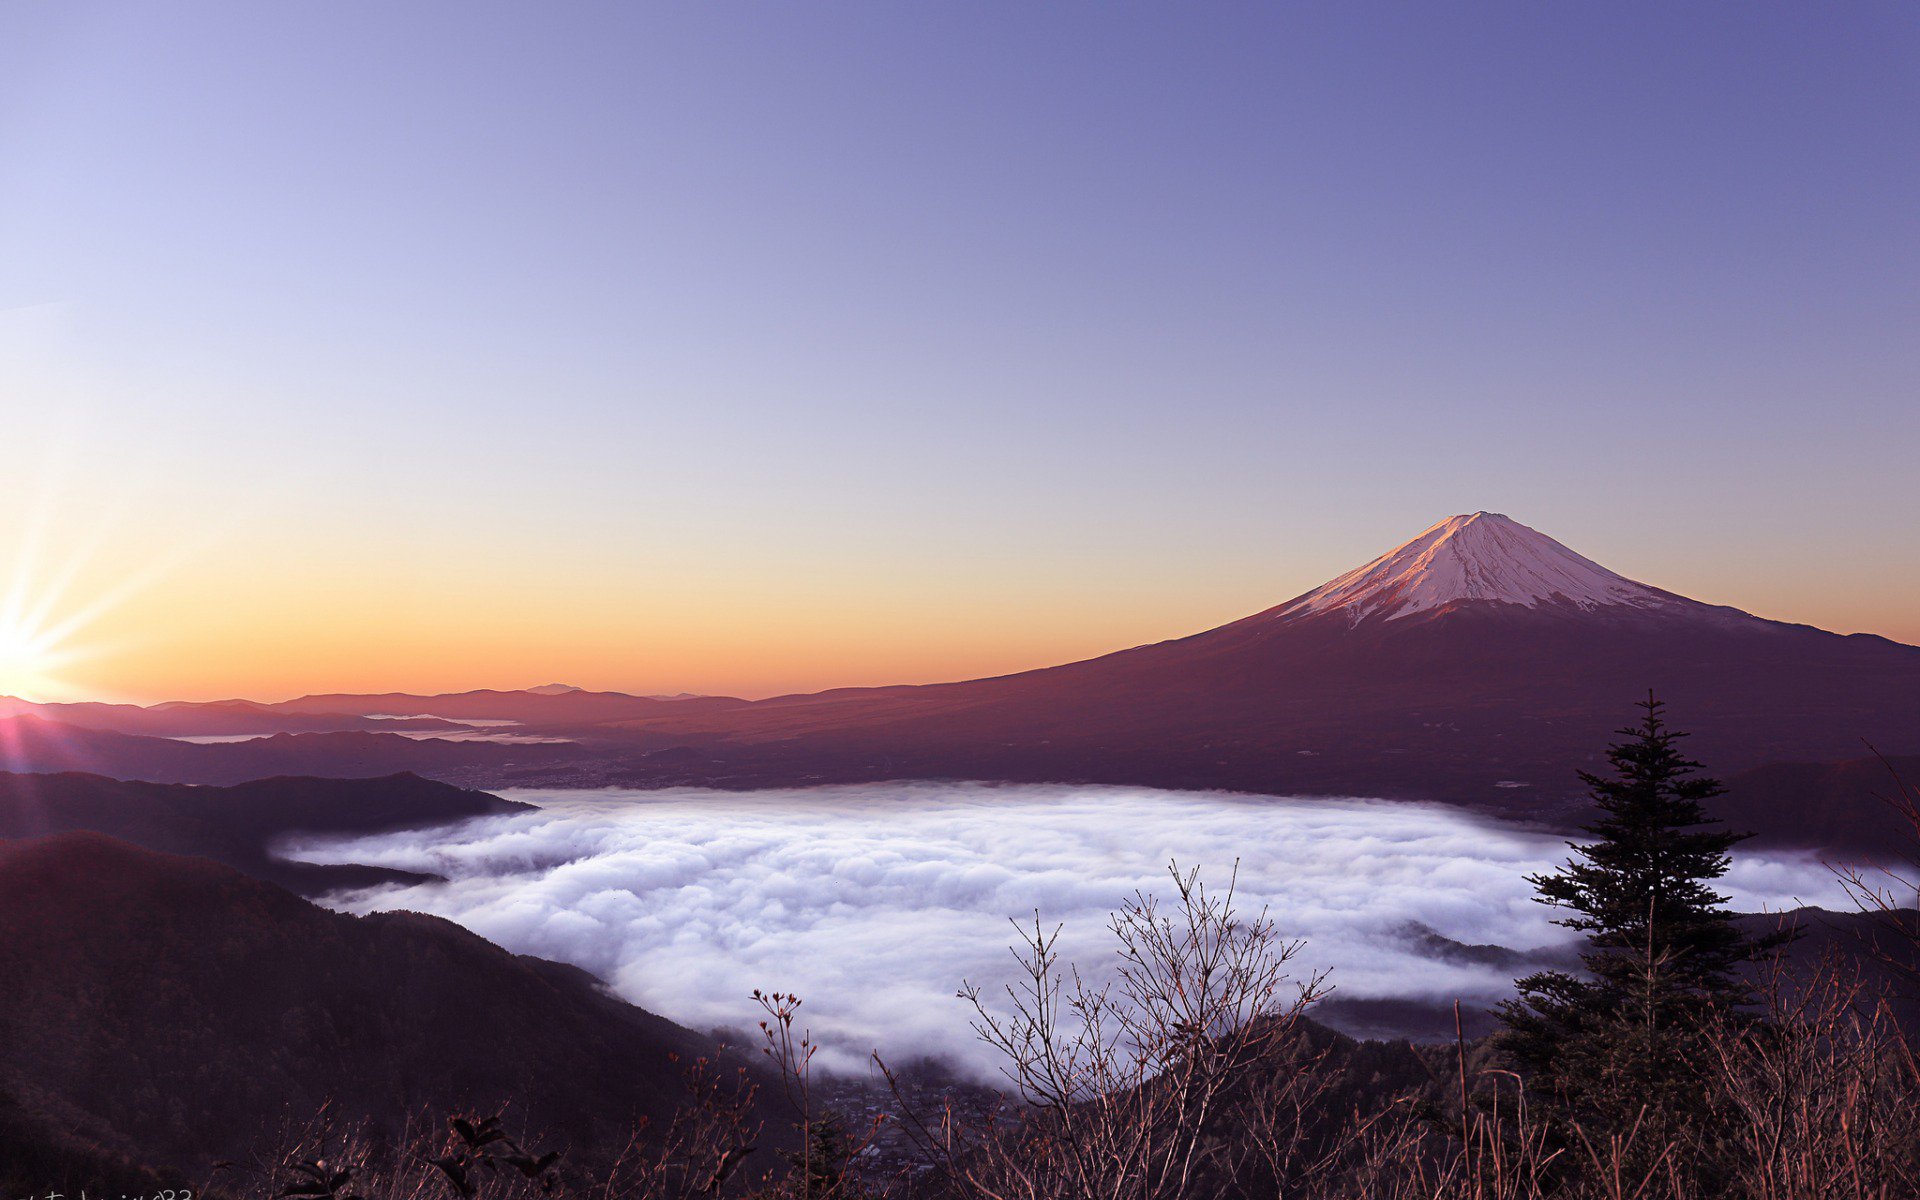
pixel 1194 1075
pixel 1180 1075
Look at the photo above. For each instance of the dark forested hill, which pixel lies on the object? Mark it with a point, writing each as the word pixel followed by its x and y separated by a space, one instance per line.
pixel 180 1012
pixel 1846 807
pixel 235 825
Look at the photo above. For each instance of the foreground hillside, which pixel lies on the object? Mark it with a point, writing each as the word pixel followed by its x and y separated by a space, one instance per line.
pixel 166 1012
pixel 176 1011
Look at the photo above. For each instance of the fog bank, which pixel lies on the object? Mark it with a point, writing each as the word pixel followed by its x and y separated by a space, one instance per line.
pixel 875 902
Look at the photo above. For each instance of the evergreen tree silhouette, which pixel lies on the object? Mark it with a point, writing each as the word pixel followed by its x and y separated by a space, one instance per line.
pixel 1662 952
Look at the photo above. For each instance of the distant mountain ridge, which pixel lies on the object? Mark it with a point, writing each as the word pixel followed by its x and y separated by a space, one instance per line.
pixel 343 712
pixel 238 825
pixel 177 718
pixel 31 744
pixel 548 705
pixel 1479 663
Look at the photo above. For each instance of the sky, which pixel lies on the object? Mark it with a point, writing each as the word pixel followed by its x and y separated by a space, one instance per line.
pixel 760 348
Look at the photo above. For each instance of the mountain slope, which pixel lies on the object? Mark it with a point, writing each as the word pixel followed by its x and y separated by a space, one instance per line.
pixel 221 718
pixel 29 743
pixel 552 704
pixel 178 1011
pixel 236 825
pixel 548 705
pixel 1479 654
pixel 1852 806
pixel 1477 558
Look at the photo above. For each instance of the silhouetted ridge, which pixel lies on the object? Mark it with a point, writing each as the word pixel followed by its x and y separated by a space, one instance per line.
pixel 175 1009
pixel 236 825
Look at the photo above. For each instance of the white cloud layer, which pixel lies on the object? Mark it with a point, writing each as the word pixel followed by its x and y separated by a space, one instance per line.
pixel 875 902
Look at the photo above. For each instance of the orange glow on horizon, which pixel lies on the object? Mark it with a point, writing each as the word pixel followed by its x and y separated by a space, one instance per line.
pixel 146 601
pixel 189 642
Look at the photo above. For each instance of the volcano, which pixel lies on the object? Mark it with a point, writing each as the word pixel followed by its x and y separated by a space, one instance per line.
pixel 1481 662
pixel 1483 558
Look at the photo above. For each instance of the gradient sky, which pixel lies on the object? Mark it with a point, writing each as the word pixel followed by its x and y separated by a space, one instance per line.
pixel 756 348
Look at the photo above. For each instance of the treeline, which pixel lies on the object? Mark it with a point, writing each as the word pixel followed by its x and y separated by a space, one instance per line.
pixel 1688 1060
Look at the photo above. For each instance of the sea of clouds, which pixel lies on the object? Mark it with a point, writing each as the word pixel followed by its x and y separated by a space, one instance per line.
pixel 876 902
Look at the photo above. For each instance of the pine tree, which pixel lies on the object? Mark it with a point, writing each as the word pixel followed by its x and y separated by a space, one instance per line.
pixel 1662 952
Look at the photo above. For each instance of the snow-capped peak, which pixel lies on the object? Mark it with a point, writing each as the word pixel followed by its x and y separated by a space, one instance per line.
pixel 1479 556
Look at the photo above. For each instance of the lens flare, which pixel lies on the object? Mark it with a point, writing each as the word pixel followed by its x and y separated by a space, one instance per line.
pixel 54 584
pixel 28 658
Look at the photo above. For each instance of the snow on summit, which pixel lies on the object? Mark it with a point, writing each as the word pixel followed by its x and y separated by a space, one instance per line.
pixel 1478 556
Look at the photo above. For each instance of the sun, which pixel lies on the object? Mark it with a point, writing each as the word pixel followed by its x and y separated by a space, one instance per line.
pixel 29 656
pixel 71 555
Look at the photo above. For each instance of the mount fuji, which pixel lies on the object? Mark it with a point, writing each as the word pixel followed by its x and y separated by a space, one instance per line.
pixel 1480 558
pixel 1481 662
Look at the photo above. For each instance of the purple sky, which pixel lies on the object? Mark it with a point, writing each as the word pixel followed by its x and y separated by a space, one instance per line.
pixel 986 334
